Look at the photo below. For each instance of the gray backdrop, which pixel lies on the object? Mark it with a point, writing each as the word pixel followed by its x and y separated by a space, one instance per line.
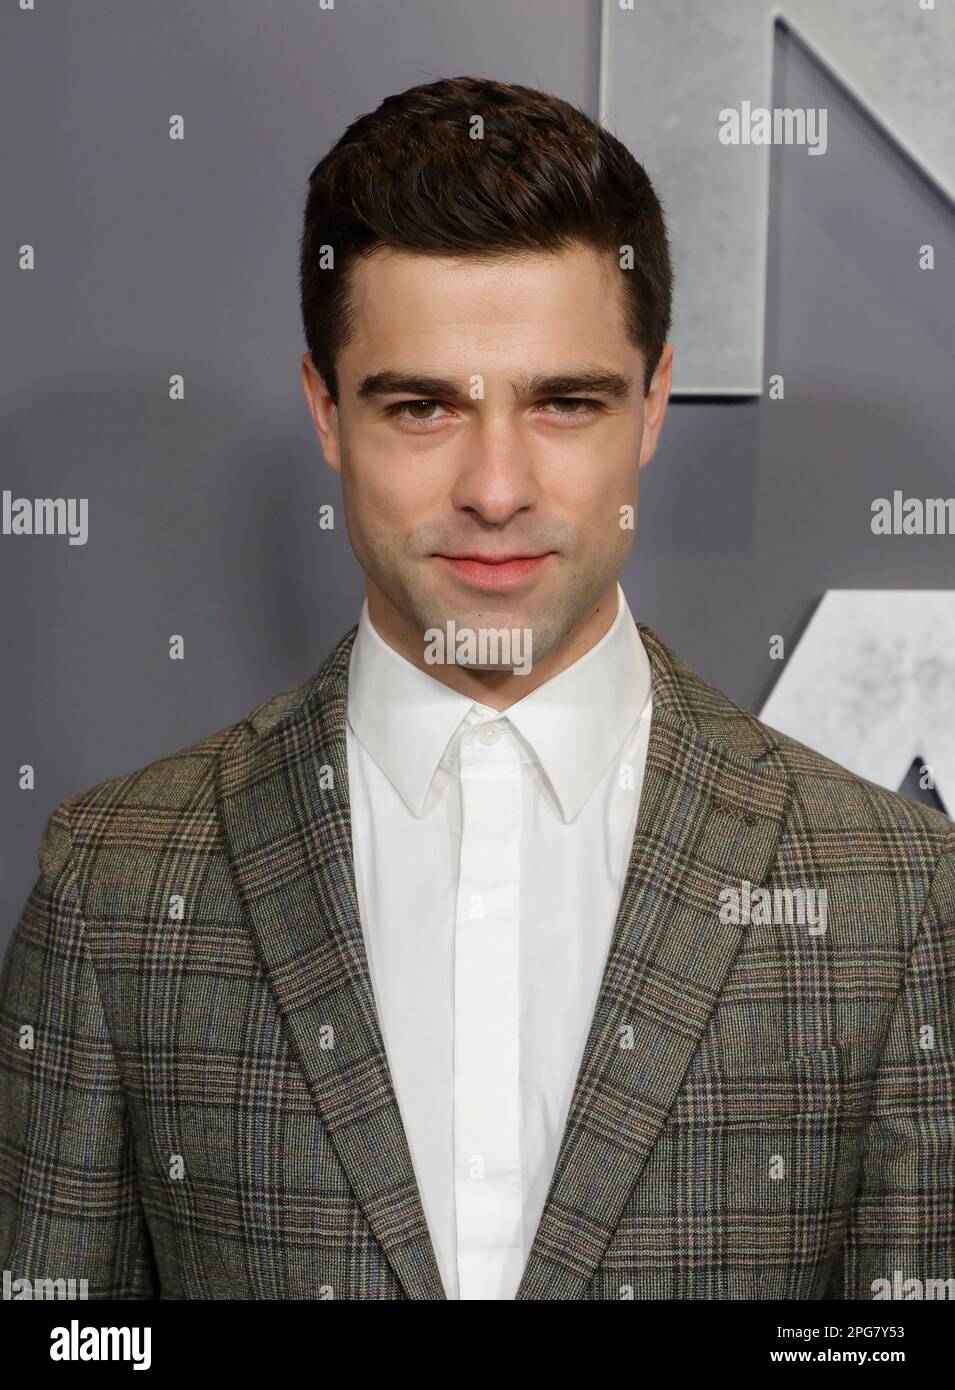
pixel 156 257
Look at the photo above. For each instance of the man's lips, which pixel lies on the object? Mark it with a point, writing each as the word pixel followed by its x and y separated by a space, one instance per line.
pixel 497 559
pixel 495 571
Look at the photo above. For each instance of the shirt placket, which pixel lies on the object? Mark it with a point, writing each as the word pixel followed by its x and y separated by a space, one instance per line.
pixel 487 1160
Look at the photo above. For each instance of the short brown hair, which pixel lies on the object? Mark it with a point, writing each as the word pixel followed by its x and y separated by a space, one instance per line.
pixel 543 177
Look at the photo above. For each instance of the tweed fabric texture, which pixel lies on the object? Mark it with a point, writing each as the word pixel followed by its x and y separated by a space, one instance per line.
pixel 206 1110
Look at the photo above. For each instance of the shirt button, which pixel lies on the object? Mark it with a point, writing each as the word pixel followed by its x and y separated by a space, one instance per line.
pixel 489 733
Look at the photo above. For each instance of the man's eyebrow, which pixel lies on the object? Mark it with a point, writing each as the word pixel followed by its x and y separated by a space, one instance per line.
pixel 598 382
pixel 595 380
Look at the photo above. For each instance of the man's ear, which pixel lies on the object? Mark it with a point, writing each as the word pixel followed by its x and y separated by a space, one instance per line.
pixel 323 410
pixel 655 405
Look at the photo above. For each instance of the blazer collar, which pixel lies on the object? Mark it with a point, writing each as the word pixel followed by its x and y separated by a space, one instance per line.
pixel 714 799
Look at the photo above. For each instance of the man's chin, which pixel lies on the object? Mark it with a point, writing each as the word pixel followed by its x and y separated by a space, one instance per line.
pixel 484 612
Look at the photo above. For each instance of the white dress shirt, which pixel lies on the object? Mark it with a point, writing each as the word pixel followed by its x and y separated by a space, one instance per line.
pixel 490 854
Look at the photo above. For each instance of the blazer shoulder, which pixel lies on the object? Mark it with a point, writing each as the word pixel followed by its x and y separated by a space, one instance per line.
pixel 843 799
pixel 826 794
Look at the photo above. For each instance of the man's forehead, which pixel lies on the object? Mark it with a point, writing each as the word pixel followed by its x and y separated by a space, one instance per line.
pixel 400 295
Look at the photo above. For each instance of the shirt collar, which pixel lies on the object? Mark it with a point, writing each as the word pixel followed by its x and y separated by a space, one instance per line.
pixel 575 723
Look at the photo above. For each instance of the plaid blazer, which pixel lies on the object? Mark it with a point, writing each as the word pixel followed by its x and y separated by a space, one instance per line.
pixel 204 1109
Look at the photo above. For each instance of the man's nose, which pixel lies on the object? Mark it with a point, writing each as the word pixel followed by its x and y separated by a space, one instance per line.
pixel 497 475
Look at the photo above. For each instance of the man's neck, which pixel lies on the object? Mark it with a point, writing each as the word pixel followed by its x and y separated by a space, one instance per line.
pixel 496 688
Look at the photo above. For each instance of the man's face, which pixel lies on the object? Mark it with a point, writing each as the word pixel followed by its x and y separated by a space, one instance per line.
pixel 489 409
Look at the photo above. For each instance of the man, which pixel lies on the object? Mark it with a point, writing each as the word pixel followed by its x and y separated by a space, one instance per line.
pixel 503 957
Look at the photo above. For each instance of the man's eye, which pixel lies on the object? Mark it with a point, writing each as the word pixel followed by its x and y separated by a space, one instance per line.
pixel 413 407
pixel 580 405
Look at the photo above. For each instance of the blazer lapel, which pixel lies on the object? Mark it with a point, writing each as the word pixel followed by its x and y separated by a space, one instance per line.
pixel 712 807
pixel 283 795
